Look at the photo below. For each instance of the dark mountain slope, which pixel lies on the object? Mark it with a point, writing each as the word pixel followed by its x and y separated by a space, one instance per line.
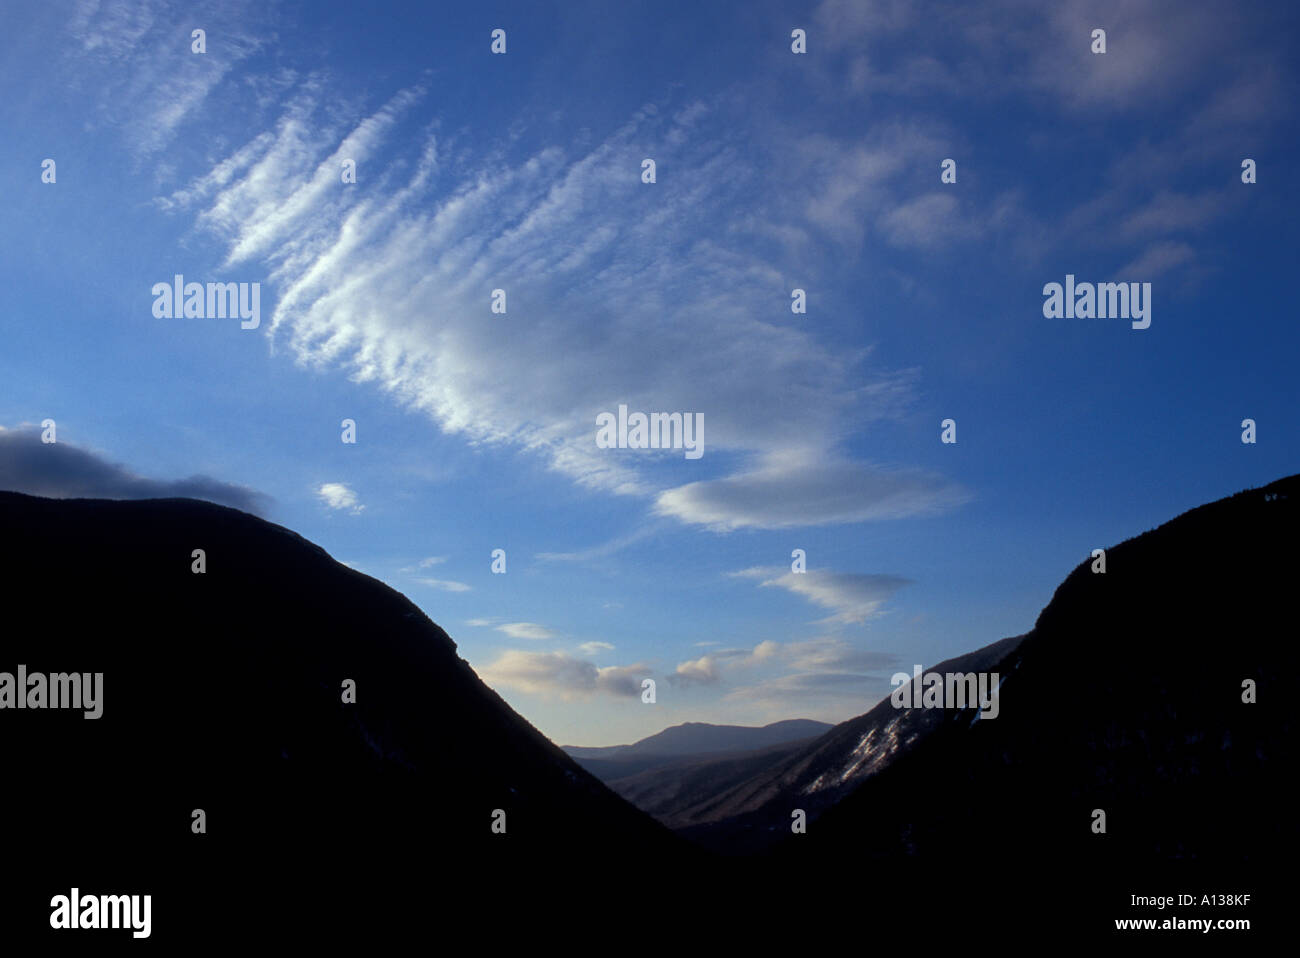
pixel 1126 697
pixel 222 691
pixel 752 809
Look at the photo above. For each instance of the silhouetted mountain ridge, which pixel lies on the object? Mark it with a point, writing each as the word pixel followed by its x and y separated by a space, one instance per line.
pixel 1126 697
pixel 223 691
pixel 689 740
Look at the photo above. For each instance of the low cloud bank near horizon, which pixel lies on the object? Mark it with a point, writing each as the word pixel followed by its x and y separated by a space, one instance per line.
pixel 62 470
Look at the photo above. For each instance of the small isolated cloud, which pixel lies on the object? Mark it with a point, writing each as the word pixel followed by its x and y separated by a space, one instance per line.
pixel 707 669
pixel 853 598
pixel 827 673
pixel 1170 212
pixel 701 671
pixel 784 495
pixel 446 585
pixel 831 654
pixel 602 551
pixel 61 470
pixel 337 495
pixel 559 675
pixel 526 630
pixel 1158 259
pixel 424 564
pixel 927 221
pixel 479 623
pixel 591 648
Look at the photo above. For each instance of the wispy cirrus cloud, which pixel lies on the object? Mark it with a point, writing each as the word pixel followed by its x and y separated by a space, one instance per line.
pixel 1155 54
pixel 526 630
pixel 1156 260
pixel 444 585
pixel 390 279
pixel 135 60
pixel 614 286
pixel 602 551
pixel 853 598
pixel 1171 212
pixel 830 693
pixel 895 48
pixel 428 563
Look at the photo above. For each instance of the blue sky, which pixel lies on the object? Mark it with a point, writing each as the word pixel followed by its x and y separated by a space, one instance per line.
pixel 774 171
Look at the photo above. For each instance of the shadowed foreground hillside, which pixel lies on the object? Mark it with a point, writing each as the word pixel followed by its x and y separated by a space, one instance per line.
pixel 325 820
pixel 1125 697
pixel 222 691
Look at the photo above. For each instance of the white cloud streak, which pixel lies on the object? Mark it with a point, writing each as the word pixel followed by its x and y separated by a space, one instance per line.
pixel 526 630
pixel 559 675
pixel 853 598
pixel 616 293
